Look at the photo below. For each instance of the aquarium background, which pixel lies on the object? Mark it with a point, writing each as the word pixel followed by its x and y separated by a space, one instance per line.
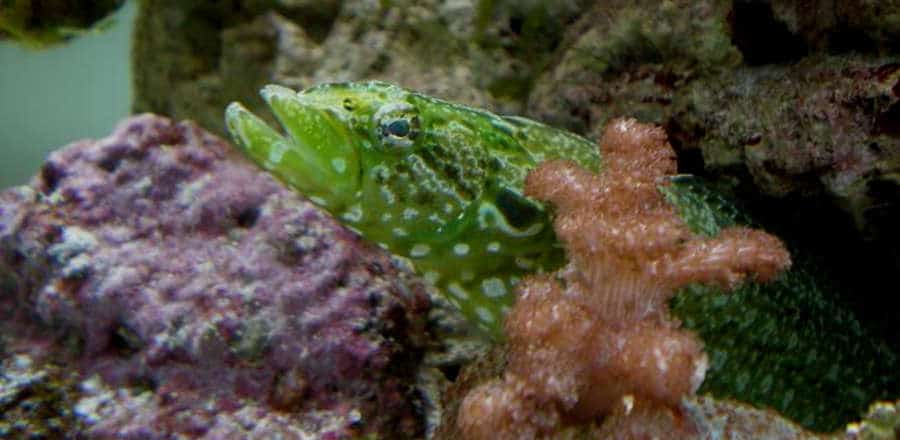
pixel 786 111
pixel 53 96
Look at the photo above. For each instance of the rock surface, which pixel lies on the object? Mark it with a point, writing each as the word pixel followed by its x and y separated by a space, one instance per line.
pixel 191 295
pixel 767 92
pixel 785 119
pixel 699 417
pixel 792 104
pixel 207 54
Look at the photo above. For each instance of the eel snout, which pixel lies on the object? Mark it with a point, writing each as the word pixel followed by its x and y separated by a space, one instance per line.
pixel 318 156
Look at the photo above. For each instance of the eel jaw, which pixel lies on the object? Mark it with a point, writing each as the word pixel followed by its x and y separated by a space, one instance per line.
pixel 319 157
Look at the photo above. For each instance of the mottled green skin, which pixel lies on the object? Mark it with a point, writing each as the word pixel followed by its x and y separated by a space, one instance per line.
pixel 789 344
pixel 437 182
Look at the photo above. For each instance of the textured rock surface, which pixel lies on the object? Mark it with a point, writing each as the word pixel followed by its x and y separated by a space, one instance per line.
pixel 793 104
pixel 826 124
pixel 697 418
pixel 717 73
pixel 483 53
pixel 193 295
pixel 36 400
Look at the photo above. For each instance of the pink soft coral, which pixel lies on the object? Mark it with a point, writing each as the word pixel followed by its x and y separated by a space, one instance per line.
pixel 599 329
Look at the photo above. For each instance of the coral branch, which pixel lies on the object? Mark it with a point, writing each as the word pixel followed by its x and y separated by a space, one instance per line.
pixel 723 260
pixel 599 329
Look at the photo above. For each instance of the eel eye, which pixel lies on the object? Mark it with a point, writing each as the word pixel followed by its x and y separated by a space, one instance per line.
pixel 349 105
pixel 398 128
pixel 396 125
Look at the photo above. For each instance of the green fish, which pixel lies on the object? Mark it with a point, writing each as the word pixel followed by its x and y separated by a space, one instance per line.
pixel 436 182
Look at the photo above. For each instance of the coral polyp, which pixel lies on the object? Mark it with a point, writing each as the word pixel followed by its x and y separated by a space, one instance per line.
pixel 600 330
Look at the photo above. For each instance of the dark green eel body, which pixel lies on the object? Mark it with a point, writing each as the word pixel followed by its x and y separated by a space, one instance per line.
pixel 441 184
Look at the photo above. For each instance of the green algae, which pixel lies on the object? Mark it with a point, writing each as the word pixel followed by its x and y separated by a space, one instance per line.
pixel 36 401
pixel 39 24
pixel 685 38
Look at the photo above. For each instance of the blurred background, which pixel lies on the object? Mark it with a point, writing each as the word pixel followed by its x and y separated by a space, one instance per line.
pixel 56 95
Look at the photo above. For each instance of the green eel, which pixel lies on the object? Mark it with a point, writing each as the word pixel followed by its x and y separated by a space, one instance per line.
pixel 436 182
pixel 441 184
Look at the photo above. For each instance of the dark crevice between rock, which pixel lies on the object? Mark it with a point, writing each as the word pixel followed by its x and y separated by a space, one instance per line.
pixel 690 159
pixel 863 280
pixel 848 39
pixel 451 372
pixel 761 38
pixel 110 163
pixel 888 121
pixel 201 30
pixel 884 217
pixel 246 218
pixel 16 258
pixel 374 299
pixel 143 383
pixel 317 18
pixel 51 175
pixel 123 341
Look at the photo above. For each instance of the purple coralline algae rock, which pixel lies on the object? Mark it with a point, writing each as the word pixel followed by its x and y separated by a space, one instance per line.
pixel 199 298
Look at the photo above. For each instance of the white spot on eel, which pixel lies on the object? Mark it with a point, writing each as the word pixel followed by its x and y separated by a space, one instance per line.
pixel 276 153
pixel 353 214
pixel 388 196
pixel 419 250
pixel 493 287
pixel 484 314
pixel 456 290
pixel 432 276
pixel 339 164
pixel 410 214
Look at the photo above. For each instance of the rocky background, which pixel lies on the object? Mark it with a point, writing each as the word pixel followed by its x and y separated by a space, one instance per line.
pixel 793 106
pixel 154 286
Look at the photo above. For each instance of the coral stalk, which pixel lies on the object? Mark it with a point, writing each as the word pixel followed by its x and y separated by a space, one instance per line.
pixel 599 329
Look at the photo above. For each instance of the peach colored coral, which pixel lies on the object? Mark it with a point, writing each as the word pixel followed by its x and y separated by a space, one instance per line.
pixel 599 329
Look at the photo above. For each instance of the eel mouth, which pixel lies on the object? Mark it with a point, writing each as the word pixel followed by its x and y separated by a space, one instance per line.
pixel 317 155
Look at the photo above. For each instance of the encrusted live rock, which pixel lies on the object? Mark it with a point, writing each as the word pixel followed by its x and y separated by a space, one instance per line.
pixel 197 297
